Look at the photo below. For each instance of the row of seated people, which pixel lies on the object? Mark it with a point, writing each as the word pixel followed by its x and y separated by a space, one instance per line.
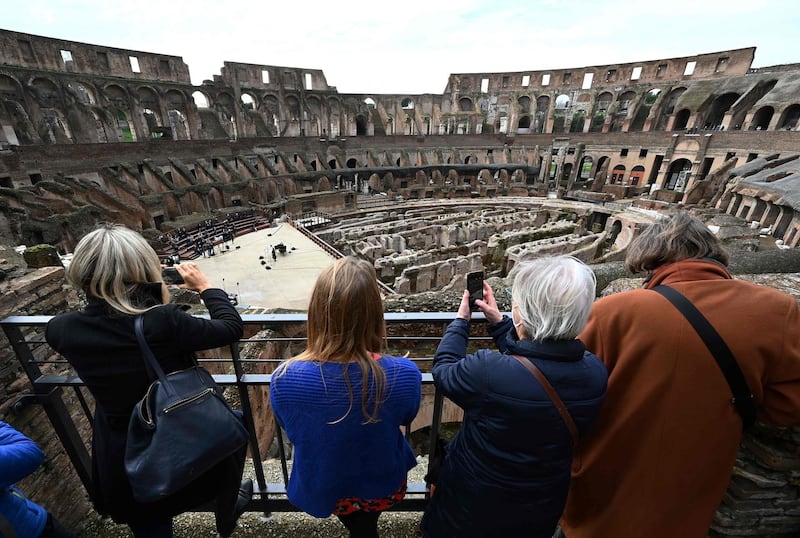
pixel 202 239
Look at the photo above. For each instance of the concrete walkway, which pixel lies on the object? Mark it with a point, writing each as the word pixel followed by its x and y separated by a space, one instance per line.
pixel 288 281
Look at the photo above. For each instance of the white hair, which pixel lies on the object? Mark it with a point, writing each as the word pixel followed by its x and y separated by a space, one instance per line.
pixel 554 295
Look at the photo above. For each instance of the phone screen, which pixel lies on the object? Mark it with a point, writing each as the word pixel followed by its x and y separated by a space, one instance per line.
pixel 171 276
pixel 475 288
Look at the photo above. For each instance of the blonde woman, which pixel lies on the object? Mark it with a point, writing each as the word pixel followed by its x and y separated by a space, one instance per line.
pixel 342 403
pixel 120 275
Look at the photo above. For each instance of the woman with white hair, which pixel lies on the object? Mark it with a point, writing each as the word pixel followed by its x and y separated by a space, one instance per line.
pixel 507 470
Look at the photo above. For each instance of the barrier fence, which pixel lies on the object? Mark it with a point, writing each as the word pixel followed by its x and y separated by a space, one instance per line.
pixel 68 404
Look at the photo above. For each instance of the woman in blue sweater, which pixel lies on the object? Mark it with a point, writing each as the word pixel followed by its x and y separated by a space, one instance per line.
pixel 341 403
pixel 19 516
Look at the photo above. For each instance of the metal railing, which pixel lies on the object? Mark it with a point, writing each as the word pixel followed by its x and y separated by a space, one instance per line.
pixel 52 379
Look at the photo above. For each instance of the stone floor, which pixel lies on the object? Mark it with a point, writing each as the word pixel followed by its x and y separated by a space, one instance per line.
pixel 288 281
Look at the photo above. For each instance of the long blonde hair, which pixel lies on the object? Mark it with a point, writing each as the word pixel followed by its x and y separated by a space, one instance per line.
pixel 345 324
pixel 109 262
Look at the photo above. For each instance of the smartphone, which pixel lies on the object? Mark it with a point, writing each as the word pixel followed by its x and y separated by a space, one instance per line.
pixel 475 288
pixel 171 276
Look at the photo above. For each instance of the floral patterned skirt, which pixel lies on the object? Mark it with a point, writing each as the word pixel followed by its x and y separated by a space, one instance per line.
pixel 349 505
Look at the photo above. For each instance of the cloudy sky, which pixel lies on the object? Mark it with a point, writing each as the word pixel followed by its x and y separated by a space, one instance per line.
pixel 411 46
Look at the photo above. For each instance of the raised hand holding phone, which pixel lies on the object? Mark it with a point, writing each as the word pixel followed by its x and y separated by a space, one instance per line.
pixel 475 288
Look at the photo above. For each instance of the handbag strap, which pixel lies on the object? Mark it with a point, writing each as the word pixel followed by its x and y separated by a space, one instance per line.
pixel 150 362
pixel 551 392
pixel 742 396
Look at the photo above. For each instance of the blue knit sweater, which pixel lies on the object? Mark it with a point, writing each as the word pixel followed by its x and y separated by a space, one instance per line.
pixel 19 457
pixel 336 453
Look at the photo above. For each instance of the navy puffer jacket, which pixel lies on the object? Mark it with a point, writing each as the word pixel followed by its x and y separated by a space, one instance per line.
pixel 507 471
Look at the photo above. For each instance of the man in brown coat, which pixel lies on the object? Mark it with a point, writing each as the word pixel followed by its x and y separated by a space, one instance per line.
pixel 660 456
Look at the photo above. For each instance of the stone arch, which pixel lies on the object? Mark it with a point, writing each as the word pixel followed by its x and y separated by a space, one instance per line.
pixel 293 115
pixel 601 106
pixel 125 130
pixel 540 117
pixel 601 172
pixel 524 124
pixel 178 124
pixel 335 108
pixel 271 109
pixel 314 123
pixel 200 99
pixel 116 95
pixel 585 170
pixel 361 125
pixel 13 110
pixel 762 118
pixel 370 102
pixel 562 102
pixel 524 104
pixel 147 98
pixel 578 121
pixel 681 119
pixel 624 102
pixel 618 174
pixel 11 89
pixel 643 111
pixel 465 104
pixel 790 118
pixel 352 163
pixel 670 104
pixel 152 120
pixel 407 104
pixel 83 94
pixel 175 100
pixel 637 175
pixel 224 108
pixel 719 107
pixel 249 101
pixel 678 175
pixel 46 92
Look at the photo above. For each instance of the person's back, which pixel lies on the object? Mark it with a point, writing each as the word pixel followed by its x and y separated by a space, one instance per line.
pixel 342 403
pixel 19 516
pixel 660 456
pixel 507 470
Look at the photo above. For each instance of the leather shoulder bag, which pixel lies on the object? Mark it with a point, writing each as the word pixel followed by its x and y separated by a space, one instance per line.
pixel 742 396
pixel 180 429
pixel 553 395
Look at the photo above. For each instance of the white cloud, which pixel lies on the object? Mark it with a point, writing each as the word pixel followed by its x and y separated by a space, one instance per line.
pixel 388 47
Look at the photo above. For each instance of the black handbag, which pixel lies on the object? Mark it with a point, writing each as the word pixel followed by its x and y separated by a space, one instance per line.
pixel 180 429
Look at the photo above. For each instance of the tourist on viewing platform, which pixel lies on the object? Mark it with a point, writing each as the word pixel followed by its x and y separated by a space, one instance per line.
pixel 120 275
pixel 19 516
pixel 660 457
pixel 342 403
pixel 507 470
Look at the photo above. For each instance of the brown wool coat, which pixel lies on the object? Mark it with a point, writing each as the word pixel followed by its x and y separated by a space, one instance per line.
pixel 661 453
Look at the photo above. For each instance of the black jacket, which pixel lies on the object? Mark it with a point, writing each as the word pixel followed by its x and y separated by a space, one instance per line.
pixel 100 343
pixel 507 471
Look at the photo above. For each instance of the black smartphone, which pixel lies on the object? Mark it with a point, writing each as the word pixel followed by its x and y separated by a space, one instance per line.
pixel 475 288
pixel 171 276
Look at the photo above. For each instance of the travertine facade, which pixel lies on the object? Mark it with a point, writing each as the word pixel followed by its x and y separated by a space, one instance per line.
pixel 262 134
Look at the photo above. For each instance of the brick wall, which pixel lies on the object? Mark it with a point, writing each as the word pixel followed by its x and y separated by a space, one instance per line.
pixel 40 292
